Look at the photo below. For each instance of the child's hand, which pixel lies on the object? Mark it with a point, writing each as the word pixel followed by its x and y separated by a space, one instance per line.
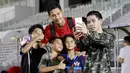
pixel 40 37
pixel 60 58
pixel 71 69
pixel 78 53
pixel 61 65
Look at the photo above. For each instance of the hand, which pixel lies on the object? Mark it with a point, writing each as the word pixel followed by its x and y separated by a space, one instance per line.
pixel 79 71
pixel 83 53
pixel 71 69
pixel 61 65
pixel 77 35
pixel 78 53
pixel 39 37
pixel 83 29
pixel 60 58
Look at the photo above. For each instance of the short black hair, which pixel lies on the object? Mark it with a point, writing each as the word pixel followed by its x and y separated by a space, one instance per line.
pixel 52 5
pixel 31 29
pixel 84 20
pixel 53 39
pixel 96 13
pixel 127 39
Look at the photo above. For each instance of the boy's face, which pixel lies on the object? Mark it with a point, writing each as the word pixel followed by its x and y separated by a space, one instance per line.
pixel 58 45
pixel 36 32
pixel 69 43
pixel 93 23
pixel 57 17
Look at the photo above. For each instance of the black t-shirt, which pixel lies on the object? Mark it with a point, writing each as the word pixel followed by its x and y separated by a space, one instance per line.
pixel 35 57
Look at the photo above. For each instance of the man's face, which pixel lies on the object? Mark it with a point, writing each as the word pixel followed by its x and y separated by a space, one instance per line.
pixel 57 17
pixel 58 45
pixel 93 23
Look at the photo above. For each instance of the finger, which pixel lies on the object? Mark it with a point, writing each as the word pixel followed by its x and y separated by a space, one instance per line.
pixel 78 27
pixel 62 60
pixel 83 24
pixel 73 29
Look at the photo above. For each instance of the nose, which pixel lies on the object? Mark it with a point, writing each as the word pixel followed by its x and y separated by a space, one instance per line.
pixel 91 23
pixel 69 43
pixel 56 16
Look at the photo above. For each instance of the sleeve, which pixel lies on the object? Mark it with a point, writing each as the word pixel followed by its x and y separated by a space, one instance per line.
pixel 23 43
pixel 44 60
pixel 102 40
pixel 47 35
pixel 21 49
pixel 122 53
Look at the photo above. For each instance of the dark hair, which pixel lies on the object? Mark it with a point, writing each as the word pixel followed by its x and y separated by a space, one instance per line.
pixel 84 20
pixel 127 39
pixel 68 35
pixel 52 5
pixel 31 29
pixel 96 13
pixel 3 71
pixel 53 39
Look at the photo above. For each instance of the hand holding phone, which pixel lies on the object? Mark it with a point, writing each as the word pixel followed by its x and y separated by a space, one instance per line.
pixel 78 22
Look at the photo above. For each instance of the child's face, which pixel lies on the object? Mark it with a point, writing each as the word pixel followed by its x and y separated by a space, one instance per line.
pixel 58 45
pixel 69 43
pixel 36 32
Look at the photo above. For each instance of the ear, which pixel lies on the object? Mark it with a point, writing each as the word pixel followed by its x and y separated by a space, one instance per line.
pixel 101 20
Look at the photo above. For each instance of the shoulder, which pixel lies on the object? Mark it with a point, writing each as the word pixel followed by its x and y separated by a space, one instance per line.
pixel 47 27
pixel 81 57
pixel 45 56
pixel 109 35
pixel 47 48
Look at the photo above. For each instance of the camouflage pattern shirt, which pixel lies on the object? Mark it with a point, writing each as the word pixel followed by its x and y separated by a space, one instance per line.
pixel 47 61
pixel 98 49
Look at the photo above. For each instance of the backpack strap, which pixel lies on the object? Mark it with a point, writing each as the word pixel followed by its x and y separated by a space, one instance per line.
pixel 70 22
pixel 52 30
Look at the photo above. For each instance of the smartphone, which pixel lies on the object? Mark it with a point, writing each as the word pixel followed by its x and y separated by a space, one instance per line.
pixel 78 22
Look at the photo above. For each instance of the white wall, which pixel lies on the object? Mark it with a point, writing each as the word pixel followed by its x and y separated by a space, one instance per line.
pixel 23 12
pixel 15 12
pixel 7 14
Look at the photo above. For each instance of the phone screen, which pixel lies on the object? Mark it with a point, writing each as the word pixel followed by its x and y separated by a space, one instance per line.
pixel 78 22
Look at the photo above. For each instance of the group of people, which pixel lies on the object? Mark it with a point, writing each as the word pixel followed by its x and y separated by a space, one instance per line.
pixel 54 49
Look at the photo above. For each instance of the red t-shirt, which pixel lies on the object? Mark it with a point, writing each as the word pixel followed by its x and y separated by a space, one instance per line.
pixel 59 32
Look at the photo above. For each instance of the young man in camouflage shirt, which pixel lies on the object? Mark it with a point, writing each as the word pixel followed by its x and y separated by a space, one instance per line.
pixel 49 62
pixel 98 43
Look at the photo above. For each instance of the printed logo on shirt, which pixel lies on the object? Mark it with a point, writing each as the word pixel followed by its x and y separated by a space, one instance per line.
pixel 76 63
